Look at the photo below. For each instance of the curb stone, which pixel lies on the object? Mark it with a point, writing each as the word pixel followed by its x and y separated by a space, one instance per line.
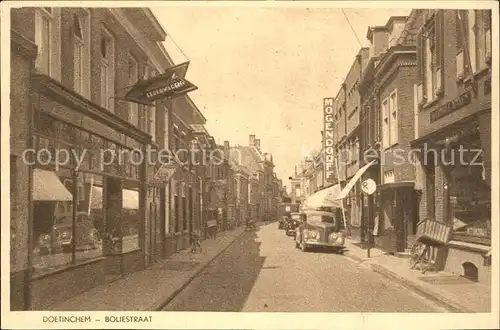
pixel 167 300
pixel 443 302
pixel 419 289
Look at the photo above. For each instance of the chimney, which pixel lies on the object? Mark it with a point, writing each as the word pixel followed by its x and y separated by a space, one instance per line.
pixel 226 149
pixel 251 142
pixel 378 37
pixel 257 143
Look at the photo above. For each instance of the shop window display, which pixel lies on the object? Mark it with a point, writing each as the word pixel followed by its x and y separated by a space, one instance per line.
pixel 470 196
pixel 52 202
pixel 61 236
pixel 89 221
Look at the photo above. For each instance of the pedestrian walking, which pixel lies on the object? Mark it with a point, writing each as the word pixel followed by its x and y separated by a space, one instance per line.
pixel 212 228
pixel 194 239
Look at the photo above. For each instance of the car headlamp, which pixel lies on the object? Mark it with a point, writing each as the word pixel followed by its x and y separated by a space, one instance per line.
pixel 333 237
pixel 313 234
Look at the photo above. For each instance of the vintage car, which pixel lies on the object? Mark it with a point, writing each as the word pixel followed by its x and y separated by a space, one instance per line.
pixel 87 236
pixel 292 223
pixel 320 229
pixel 282 222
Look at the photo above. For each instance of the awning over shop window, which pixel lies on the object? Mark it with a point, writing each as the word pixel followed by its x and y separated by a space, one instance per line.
pixel 323 198
pixel 130 199
pixel 343 194
pixel 48 187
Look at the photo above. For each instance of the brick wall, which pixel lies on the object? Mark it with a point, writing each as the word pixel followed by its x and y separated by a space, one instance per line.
pixel 23 54
pixel 451 85
pixel 353 100
pixel 397 158
pixel 439 193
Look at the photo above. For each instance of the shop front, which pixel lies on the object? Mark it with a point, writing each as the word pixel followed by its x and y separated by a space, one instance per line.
pixel 353 211
pixel 396 217
pixel 458 192
pixel 158 238
pixel 87 205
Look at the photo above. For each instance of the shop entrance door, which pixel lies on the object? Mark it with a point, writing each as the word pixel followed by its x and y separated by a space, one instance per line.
pixel 153 219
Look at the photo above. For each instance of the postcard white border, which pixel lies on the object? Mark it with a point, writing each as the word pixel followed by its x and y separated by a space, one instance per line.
pixel 192 320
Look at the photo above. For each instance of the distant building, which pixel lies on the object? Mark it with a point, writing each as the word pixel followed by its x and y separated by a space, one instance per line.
pixel 259 168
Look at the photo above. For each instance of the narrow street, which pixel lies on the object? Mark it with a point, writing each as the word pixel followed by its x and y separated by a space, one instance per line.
pixel 264 272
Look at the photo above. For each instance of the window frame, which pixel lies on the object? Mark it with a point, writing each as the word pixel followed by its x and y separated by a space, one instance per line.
pixel 476 45
pixel 384 108
pixel 429 70
pixel 393 118
pixel 53 55
pixel 133 64
pixel 108 63
pixel 81 82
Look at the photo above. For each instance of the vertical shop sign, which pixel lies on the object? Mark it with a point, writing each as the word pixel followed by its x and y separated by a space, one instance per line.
pixel 328 142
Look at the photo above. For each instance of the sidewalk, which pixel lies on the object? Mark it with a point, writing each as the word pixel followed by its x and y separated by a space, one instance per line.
pixel 452 292
pixel 154 287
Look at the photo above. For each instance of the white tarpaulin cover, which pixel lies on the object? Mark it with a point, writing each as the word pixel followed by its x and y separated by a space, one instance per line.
pixel 48 187
pixel 343 194
pixel 323 198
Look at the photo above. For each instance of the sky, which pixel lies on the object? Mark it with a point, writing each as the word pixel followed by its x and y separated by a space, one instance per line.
pixel 265 71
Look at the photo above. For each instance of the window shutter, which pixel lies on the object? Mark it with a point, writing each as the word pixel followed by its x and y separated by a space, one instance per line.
pixel 421 50
pixel 438 39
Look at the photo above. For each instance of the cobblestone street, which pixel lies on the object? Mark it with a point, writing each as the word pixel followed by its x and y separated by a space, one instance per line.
pixel 263 272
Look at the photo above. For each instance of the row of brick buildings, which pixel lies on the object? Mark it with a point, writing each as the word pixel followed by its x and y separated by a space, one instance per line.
pixel 88 219
pixel 412 100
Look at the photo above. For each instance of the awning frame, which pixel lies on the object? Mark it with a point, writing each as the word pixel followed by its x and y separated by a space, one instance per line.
pixel 348 187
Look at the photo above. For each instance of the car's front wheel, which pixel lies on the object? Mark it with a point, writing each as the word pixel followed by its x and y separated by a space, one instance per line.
pixel 338 250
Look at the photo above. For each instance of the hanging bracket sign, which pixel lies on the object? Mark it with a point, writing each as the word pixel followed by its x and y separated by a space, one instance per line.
pixel 170 83
pixel 163 174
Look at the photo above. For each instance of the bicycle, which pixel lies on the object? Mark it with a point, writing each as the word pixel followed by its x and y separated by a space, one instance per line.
pixel 421 254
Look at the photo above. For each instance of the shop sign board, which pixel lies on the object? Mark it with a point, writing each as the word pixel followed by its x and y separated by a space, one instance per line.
pixel 451 106
pixel 328 140
pixel 164 174
pixel 369 186
pixel 169 84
